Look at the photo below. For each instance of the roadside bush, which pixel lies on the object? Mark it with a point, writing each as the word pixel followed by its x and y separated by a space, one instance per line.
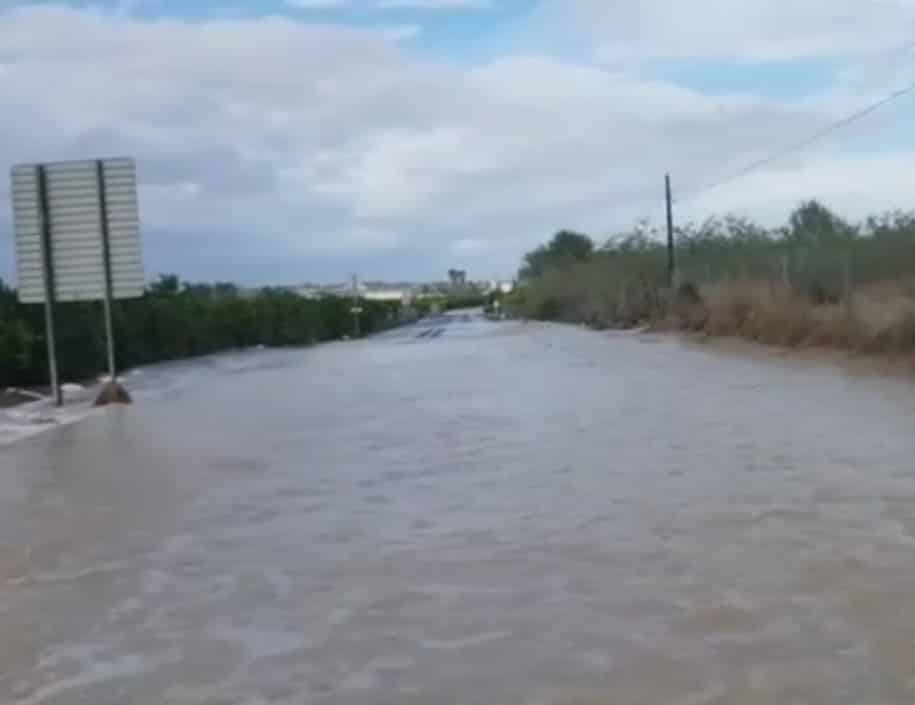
pixel 172 321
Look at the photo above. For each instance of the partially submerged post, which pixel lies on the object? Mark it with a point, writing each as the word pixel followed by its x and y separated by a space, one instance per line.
pixel 47 271
pixel 112 392
pixel 847 285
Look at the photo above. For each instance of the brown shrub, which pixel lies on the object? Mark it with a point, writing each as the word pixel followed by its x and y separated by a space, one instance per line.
pixel 688 309
pixel 729 306
pixel 881 318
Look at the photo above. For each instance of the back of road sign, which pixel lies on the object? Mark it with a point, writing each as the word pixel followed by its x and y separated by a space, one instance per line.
pixel 84 201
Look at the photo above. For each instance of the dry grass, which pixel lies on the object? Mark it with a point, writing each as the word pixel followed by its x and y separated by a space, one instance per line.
pixel 590 293
pixel 879 319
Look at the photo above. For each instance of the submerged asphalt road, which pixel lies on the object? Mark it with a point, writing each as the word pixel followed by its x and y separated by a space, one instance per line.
pixel 467 512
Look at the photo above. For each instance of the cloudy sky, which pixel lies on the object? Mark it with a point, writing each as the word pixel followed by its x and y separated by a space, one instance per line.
pixel 280 141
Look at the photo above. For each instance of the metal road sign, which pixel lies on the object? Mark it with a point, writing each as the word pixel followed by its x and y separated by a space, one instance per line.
pixel 93 230
pixel 77 228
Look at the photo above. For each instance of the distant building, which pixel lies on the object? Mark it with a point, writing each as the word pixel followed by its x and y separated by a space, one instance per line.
pixel 403 292
pixel 310 291
pixel 370 291
pixel 503 286
pixel 457 278
pixel 386 294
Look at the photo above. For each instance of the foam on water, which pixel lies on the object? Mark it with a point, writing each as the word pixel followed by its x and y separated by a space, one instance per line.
pixel 35 417
pixel 30 419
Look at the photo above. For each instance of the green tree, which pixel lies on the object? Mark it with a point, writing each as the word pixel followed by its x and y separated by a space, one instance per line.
pixel 565 248
pixel 167 285
pixel 16 346
pixel 171 320
pixel 814 224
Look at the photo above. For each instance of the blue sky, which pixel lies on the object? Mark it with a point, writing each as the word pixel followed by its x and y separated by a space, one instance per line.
pixel 278 143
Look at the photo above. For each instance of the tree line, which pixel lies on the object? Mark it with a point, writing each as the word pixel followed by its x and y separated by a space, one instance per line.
pixel 622 280
pixel 172 320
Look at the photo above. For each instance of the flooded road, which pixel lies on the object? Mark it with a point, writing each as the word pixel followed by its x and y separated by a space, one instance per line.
pixel 484 514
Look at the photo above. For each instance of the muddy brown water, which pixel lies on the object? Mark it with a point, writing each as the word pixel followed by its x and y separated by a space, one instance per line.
pixel 493 514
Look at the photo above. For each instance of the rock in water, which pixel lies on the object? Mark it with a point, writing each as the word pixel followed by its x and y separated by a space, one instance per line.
pixel 112 393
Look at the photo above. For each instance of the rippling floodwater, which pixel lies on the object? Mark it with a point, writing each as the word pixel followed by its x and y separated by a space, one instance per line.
pixel 471 513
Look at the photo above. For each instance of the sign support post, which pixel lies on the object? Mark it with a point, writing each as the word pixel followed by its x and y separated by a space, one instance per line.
pixel 47 261
pixel 106 257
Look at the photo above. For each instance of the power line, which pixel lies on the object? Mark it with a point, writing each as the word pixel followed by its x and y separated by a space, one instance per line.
pixel 805 142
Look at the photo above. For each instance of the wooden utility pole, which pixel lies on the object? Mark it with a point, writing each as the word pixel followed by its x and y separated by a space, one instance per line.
pixel 671 263
pixel 847 285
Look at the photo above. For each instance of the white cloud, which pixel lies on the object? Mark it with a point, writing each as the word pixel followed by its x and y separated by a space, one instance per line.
pixel 475 247
pixel 403 32
pixel 471 246
pixel 744 29
pixel 389 4
pixel 770 194
pixel 306 140
pixel 433 4
pixel 316 4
